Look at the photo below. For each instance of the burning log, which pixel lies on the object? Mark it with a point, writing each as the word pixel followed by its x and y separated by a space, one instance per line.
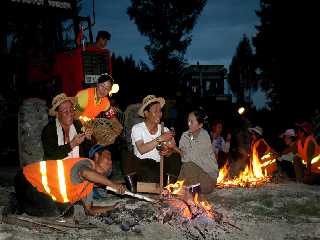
pixel 188 203
pixel 251 176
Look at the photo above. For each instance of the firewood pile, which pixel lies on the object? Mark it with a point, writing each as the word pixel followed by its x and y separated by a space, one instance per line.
pixel 272 211
pixel 135 216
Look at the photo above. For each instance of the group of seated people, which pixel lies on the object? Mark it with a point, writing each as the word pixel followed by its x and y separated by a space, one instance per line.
pixel 73 163
pixel 300 158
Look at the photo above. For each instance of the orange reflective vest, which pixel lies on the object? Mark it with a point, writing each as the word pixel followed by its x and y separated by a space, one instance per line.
pixel 53 177
pixel 267 161
pixel 92 109
pixel 303 152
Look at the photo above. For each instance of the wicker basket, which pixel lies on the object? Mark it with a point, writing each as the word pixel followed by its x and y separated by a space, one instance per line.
pixel 105 131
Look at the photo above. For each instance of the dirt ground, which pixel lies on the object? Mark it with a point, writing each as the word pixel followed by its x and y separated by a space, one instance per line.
pixel 284 210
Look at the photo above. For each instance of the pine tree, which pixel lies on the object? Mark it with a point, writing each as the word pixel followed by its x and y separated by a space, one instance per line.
pixel 241 76
pixel 168 25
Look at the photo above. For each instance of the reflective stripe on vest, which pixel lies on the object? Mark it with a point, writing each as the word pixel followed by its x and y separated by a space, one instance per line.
pixel 303 150
pixel 267 162
pixel 53 177
pixel 92 109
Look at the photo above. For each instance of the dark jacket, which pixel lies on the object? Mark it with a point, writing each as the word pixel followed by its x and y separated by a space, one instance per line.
pixel 51 149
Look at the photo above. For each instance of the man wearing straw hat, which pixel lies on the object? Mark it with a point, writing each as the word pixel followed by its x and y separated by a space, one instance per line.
pixel 150 141
pixel 62 137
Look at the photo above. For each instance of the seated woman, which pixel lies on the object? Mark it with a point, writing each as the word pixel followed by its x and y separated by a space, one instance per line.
pixel 198 160
pixel 63 138
pixel 146 136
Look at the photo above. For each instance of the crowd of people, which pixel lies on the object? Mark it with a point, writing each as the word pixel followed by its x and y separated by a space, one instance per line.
pixel 75 163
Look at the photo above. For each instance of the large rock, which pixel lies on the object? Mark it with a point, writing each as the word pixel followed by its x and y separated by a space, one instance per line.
pixel 33 116
pixel 131 118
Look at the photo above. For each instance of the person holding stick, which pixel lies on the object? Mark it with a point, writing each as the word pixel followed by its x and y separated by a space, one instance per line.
pixel 150 142
pixel 51 188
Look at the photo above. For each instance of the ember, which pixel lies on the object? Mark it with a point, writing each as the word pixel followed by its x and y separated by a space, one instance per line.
pixel 188 203
pixel 253 174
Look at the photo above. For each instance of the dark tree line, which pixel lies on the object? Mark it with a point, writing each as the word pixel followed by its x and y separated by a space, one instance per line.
pixel 168 25
pixel 285 58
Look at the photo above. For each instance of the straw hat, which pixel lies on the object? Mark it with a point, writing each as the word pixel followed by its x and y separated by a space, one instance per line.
pixel 289 133
pixel 258 130
pixel 57 100
pixel 150 99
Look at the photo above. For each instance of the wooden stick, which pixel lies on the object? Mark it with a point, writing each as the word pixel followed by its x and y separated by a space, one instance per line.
pixel 139 196
pixel 29 222
pixel 45 222
pixel 161 162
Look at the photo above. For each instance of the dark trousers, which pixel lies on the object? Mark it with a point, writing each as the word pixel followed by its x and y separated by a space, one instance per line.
pixel 33 202
pixel 287 168
pixel 148 170
pixel 300 171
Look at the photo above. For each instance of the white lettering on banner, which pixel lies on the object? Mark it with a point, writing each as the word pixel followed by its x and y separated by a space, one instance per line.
pixel 58 4
pixel 51 3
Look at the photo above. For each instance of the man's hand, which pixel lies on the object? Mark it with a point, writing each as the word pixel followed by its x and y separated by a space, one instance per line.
pixel 119 187
pixel 88 132
pixel 77 140
pixel 167 136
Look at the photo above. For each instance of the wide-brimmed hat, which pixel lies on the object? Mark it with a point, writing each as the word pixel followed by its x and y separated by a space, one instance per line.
pixel 257 130
pixel 150 99
pixel 288 133
pixel 57 100
pixel 305 126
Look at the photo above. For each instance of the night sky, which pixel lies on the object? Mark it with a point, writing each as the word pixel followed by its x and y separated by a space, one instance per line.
pixel 216 35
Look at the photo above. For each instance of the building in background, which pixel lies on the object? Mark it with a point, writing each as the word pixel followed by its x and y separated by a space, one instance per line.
pixel 206 80
pixel 206 86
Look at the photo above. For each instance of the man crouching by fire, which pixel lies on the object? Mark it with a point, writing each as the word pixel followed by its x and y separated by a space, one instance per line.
pixel 50 188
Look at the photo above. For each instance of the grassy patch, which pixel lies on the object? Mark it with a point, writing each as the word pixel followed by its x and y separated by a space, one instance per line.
pixel 308 208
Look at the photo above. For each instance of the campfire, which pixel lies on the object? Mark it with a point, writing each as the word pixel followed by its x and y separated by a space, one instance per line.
pixel 187 204
pixel 253 175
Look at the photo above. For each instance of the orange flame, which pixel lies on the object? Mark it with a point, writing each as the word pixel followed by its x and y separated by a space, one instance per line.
pixel 178 189
pixel 85 119
pixel 252 175
pixel 175 188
